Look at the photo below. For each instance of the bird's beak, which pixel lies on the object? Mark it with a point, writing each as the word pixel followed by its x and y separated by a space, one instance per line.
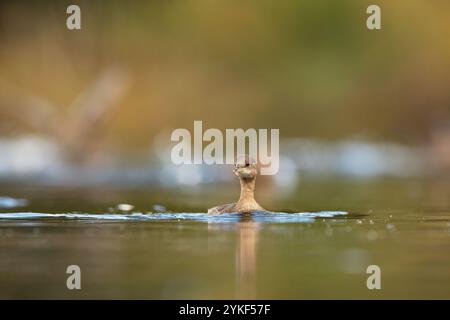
pixel 238 171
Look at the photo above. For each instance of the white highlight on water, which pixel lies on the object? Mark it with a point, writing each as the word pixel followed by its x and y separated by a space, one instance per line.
pixel 8 202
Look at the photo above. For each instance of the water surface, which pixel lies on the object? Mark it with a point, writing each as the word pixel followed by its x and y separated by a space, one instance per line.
pixel 320 247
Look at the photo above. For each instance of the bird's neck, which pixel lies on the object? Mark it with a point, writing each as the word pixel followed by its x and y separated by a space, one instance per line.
pixel 247 189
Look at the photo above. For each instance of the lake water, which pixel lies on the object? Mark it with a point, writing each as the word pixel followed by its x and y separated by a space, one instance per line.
pixel 320 247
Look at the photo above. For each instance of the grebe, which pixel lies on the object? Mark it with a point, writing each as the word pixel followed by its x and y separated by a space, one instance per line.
pixel 246 170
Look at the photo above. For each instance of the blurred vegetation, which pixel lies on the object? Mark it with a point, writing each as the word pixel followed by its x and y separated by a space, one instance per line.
pixel 310 68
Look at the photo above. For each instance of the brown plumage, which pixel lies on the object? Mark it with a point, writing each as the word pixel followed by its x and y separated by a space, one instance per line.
pixel 246 170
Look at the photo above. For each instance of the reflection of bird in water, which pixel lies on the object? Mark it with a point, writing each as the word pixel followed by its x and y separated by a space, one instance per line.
pixel 246 259
pixel 246 170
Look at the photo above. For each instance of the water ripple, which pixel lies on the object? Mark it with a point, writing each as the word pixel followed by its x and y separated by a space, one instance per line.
pixel 277 217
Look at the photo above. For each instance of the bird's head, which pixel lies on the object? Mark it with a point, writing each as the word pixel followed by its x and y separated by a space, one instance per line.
pixel 245 167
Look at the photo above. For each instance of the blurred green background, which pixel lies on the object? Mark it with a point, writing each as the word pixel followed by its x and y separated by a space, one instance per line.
pixel 310 68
